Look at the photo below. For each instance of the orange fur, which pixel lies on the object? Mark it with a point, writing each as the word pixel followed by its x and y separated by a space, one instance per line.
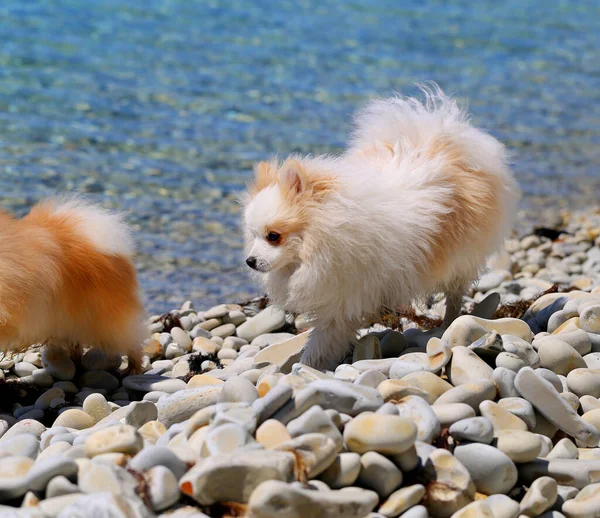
pixel 472 211
pixel 56 287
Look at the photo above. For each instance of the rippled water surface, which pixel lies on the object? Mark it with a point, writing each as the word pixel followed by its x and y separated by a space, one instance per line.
pixel 160 108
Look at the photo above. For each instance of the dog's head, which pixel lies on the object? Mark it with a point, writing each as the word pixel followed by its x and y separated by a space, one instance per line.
pixel 278 211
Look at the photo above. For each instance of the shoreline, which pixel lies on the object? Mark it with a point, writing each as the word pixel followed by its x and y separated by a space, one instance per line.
pixel 224 420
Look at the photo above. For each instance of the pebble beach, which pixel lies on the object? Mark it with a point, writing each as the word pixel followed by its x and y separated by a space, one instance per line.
pixel 497 417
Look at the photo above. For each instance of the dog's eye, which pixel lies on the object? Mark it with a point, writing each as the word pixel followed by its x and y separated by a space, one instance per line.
pixel 273 237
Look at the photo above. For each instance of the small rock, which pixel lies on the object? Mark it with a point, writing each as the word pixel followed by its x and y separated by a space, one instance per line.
pixel 497 474
pixel 118 438
pixel 387 434
pixel 474 429
pixel 343 472
pixel 379 474
pixel 274 499
pixel 539 497
pixel 234 477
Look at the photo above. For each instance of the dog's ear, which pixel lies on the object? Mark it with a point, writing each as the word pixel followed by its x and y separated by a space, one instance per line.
pixel 264 174
pixel 294 177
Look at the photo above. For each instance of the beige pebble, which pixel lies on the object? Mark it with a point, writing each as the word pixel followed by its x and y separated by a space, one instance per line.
pixel 272 433
pixel 120 439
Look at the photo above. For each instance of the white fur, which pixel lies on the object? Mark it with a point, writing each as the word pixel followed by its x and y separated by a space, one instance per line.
pixel 366 238
pixel 107 231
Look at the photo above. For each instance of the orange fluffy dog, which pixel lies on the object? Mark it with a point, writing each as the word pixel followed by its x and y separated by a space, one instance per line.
pixel 67 280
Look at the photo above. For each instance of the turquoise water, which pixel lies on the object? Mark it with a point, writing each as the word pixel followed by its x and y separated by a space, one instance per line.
pixel 160 108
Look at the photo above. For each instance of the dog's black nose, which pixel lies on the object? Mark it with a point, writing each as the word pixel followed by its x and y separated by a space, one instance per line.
pixel 251 262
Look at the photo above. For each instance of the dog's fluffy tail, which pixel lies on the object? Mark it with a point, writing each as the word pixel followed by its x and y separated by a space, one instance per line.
pixel 106 231
pixel 407 124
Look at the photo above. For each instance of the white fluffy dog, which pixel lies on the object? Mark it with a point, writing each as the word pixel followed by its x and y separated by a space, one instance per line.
pixel 414 206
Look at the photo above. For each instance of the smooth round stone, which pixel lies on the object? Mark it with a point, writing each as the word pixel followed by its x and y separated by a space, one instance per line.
pixel 148 383
pixel 58 363
pixel 233 477
pixel 522 349
pixel 467 367
pixel 521 408
pixel 578 340
pixel 572 399
pixel 370 379
pixel 162 488
pixel 22 445
pixel 283 354
pixel 518 445
pixel 559 356
pixel 182 405
pixel 548 375
pixel 43 402
pixel 315 420
pixel 316 451
pixel 419 411
pixel 272 433
pixel 182 338
pixel 220 311
pixel 235 317
pixel 40 378
pixel 153 456
pixel 174 350
pixel 473 429
pixel 225 439
pixel 471 394
pixel 118 439
pixel 387 434
pixel 588 403
pixel 438 353
pixel 152 431
pixel 505 380
pixel 393 344
pixel 387 409
pixel 97 359
pixel 592 417
pixel 105 475
pixel 98 379
pixel 510 361
pixel 34 413
pixel 74 418
pixel 498 474
pixel 268 320
pixel 343 472
pixel 589 318
pixel 227 354
pixel 394 390
pixel 202 380
pixel 273 498
pixel 500 418
pixel 429 382
pixel 344 397
pixel 267 339
pixel 236 390
pixel 205 346
pixel 60 486
pixel 223 331
pixel 466 329
pixel 401 368
pixel 564 449
pixel 382 366
pixel 450 413
pixel 449 485
pixel 592 360
pixel 401 500
pixel 584 382
pixel 23 369
pixel 502 506
pixel 586 504
pixel 542 395
pixel 97 407
pixel 379 474
pixel 13 481
pixel 367 348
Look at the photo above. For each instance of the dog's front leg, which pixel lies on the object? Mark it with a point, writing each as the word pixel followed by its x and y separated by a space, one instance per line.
pixel 328 345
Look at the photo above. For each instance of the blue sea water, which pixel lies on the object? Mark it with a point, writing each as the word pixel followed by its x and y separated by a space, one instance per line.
pixel 161 107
